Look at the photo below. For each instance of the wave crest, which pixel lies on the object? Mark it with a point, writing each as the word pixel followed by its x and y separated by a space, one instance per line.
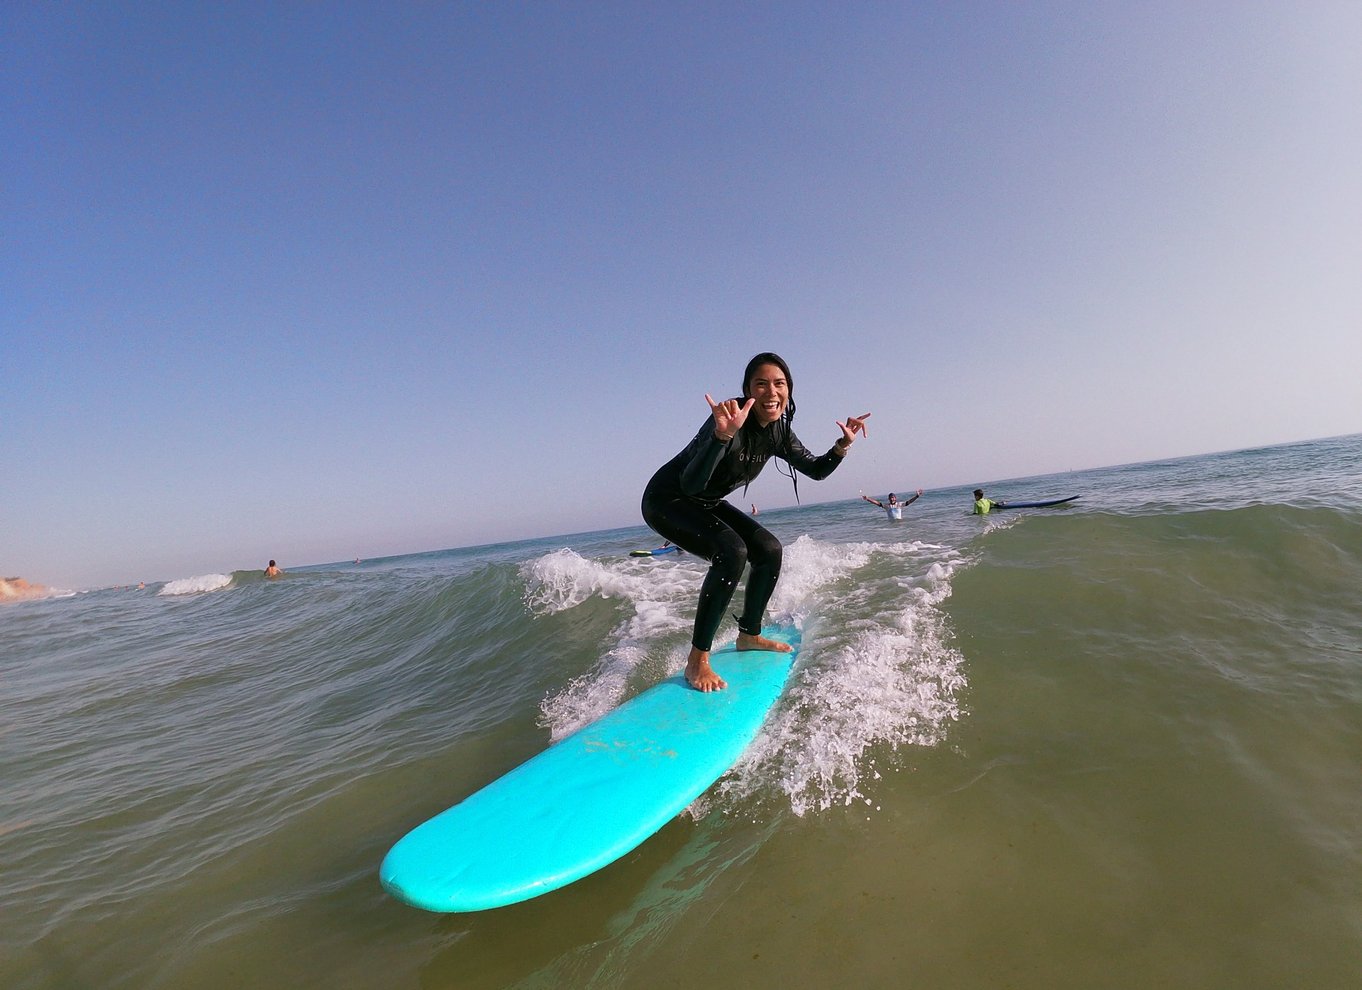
pixel 196 585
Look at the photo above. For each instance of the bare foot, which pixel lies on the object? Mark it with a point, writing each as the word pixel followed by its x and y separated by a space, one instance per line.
pixel 700 675
pixel 749 642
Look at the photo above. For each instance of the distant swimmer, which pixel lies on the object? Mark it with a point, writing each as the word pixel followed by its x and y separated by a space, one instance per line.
pixel 982 506
pixel 685 502
pixel 893 508
pixel 273 570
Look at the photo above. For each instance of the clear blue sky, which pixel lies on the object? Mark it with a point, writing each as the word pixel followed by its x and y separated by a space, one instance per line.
pixel 316 281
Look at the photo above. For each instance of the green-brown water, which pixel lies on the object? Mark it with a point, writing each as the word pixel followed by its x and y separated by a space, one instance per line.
pixel 1117 744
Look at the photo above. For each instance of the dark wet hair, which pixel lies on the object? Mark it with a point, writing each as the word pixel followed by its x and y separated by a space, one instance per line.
pixel 978 493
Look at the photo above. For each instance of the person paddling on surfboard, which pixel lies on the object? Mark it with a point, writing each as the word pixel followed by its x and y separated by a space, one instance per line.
pixel 894 508
pixel 684 502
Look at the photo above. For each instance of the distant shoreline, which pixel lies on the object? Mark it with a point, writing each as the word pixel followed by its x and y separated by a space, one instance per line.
pixel 16 588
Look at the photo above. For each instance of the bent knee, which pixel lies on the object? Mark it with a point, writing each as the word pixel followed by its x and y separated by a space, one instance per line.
pixel 731 556
pixel 766 550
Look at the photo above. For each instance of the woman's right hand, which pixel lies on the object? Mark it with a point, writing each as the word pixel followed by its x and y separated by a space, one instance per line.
pixel 728 415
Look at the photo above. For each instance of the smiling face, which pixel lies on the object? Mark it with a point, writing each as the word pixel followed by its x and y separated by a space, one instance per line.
pixel 770 388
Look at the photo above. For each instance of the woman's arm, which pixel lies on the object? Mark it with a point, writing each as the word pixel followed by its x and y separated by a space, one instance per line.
pixel 803 461
pixel 725 420
pixel 705 451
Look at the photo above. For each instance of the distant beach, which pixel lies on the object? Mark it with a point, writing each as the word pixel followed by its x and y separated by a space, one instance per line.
pixel 16 588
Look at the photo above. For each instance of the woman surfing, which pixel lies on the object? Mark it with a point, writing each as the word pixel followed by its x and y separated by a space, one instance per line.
pixel 684 502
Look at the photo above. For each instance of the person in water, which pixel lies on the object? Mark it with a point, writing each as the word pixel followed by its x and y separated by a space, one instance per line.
pixel 982 506
pixel 894 508
pixel 273 570
pixel 685 503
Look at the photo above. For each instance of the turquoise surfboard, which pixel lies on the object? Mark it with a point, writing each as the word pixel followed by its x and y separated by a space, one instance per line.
pixel 594 796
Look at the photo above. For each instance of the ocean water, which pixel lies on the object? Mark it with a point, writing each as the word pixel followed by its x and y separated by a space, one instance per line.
pixel 1114 744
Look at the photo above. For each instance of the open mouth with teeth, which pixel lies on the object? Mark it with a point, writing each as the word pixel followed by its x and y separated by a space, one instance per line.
pixel 769 410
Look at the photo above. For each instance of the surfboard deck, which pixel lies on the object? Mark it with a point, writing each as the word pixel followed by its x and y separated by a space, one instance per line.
pixel 596 795
pixel 1033 505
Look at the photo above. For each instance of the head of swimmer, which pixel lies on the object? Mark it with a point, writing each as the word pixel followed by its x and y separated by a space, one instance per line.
pixel 768 381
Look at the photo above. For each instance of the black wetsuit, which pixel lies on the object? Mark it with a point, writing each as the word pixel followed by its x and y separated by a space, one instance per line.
pixel 684 502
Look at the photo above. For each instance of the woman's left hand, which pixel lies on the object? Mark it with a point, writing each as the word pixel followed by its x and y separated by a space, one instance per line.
pixel 853 425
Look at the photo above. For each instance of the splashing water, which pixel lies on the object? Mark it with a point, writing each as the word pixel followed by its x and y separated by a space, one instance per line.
pixel 875 668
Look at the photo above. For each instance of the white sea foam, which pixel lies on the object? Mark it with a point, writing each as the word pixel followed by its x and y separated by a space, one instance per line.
pixel 564 579
pixel 995 523
pixel 875 669
pixel 196 585
pixel 655 590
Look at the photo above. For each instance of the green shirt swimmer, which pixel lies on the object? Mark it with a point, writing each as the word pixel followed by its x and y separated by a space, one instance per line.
pixel 981 504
